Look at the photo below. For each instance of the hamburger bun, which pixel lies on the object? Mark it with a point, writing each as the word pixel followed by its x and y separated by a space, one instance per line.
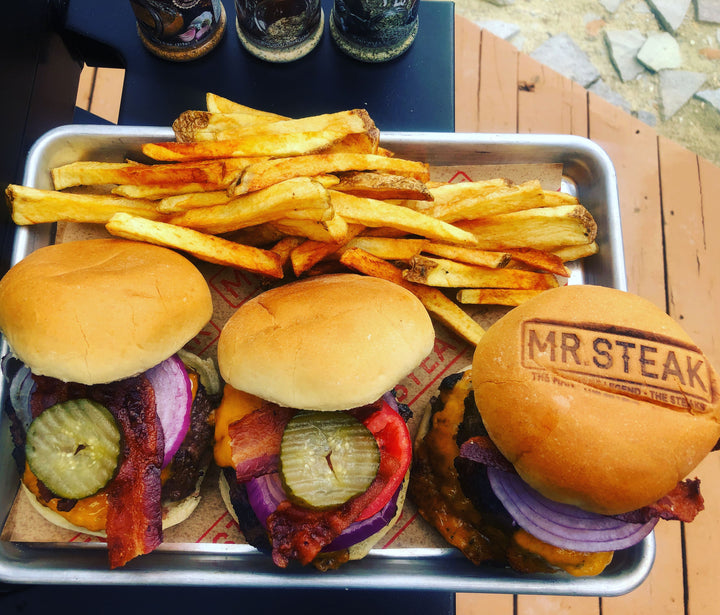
pixel 100 310
pixel 597 397
pixel 328 343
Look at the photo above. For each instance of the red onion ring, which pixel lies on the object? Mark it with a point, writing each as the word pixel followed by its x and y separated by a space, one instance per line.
pixel 563 525
pixel 266 492
pixel 173 398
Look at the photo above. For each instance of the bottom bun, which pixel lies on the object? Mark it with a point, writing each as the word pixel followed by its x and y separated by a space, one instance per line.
pixel 173 513
pixel 356 551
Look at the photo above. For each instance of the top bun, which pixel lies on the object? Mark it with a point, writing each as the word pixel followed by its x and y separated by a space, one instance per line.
pixel 597 397
pixel 101 310
pixel 328 343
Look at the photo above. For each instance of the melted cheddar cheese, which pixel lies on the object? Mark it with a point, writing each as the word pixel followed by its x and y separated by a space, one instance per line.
pixel 235 405
pixel 577 563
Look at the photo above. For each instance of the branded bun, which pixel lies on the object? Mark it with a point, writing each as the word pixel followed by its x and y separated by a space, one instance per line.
pixel 597 397
pixel 328 343
pixel 100 310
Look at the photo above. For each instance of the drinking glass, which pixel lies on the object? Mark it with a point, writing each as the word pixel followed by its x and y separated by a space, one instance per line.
pixel 374 30
pixel 279 30
pixel 179 30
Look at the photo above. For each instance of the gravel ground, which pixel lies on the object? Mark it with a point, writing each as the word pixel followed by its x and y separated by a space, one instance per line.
pixel 696 125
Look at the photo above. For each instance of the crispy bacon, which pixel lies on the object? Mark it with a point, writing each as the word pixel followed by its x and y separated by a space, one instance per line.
pixel 683 503
pixel 255 440
pixel 134 524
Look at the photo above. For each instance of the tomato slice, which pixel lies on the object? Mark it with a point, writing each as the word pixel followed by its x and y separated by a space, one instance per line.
pixel 395 446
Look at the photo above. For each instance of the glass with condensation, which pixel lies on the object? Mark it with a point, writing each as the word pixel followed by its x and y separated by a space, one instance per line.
pixel 279 30
pixel 179 30
pixel 374 30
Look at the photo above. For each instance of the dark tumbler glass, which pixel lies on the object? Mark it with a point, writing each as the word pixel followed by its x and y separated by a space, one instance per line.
pixel 374 30
pixel 279 30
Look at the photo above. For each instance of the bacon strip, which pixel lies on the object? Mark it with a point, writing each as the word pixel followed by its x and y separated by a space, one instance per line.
pixel 255 441
pixel 134 522
pixel 683 503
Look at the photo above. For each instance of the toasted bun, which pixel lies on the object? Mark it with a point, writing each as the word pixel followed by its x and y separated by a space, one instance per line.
pixel 100 310
pixel 328 343
pixel 597 397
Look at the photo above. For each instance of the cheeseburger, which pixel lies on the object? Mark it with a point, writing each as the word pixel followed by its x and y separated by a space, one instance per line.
pixel 314 446
pixel 574 431
pixel 109 417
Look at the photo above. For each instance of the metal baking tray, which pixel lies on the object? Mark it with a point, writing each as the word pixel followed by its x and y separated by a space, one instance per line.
pixel 587 172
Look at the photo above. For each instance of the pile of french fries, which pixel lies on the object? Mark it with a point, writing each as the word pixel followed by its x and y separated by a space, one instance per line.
pixel 286 198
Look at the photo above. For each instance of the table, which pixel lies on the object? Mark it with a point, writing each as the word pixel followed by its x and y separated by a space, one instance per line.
pixel 670 214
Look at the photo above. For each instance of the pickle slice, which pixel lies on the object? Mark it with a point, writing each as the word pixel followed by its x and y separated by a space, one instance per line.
pixel 326 458
pixel 73 447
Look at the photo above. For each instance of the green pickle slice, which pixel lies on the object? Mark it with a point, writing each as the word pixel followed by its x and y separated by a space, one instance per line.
pixel 326 458
pixel 73 447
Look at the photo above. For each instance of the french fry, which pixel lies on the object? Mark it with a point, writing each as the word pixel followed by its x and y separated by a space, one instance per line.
pixel 335 230
pixel 553 198
pixel 540 259
pixel 360 143
pixel 205 247
pixel 282 138
pixel 157 192
pixel 436 303
pixel 285 246
pixel 206 126
pixel 251 209
pixel 571 253
pixel 451 208
pixel 545 228
pixel 310 252
pixel 177 203
pixel 383 186
pixel 268 172
pixel 218 104
pixel 371 212
pixel 496 296
pixel 388 248
pixel 471 256
pixel 221 172
pixel 36 206
pixel 445 273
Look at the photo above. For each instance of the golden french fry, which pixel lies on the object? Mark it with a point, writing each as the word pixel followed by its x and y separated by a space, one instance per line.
pixel 205 247
pixel 282 138
pixel 496 296
pixel 285 246
pixel 471 256
pixel 388 248
pixel 371 212
pixel 553 198
pixel 335 230
pixel 272 171
pixel 435 302
pixel 157 192
pixel 451 274
pixel 545 228
pixel 457 202
pixel 206 126
pixel 36 206
pixel 218 104
pixel 360 143
pixel 220 172
pixel 182 202
pixel 309 253
pixel 383 186
pixel 251 209
pixel 540 259
pixel 571 253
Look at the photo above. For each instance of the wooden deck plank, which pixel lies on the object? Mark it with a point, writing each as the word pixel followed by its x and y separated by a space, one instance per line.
pixel 107 93
pixel 556 605
pixel 483 604
pixel 467 76
pixel 632 147
pixel 692 254
pixel 548 102
pixel 498 85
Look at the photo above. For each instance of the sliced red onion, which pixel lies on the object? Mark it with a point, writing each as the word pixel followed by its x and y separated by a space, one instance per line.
pixel 173 398
pixel 390 400
pixel 563 525
pixel 266 492
pixel 21 390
